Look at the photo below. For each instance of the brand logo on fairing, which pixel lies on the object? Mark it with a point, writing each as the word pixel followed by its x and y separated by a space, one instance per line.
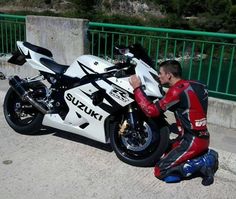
pixel 201 122
pixel 119 93
pixel 83 107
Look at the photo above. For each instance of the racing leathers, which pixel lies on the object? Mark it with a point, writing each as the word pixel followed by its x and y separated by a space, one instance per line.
pixel 188 100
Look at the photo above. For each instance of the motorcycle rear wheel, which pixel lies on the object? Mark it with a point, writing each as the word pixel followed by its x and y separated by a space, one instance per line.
pixel 21 116
pixel 144 151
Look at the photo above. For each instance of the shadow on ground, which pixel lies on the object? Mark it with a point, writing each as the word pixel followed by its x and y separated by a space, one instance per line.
pixel 80 139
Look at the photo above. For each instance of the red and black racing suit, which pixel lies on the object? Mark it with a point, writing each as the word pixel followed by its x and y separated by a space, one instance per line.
pixel 188 100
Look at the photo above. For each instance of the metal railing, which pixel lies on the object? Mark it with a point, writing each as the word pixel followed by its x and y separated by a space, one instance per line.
pixel 205 56
pixel 12 29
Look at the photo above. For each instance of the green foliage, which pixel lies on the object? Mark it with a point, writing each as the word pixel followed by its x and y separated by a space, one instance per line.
pixel 231 23
pixel 217 7
pixel 212 15
pixel 194 7
pixel 187 7
pixel 233 11
pixel 214 23
pixel 122 20
pixel 177 6
pixel 173 21
pixel 85 6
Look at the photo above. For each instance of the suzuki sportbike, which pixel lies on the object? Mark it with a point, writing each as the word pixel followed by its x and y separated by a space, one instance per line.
pixel 91 97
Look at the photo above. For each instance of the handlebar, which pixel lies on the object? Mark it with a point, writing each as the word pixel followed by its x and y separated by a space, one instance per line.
pixel 118 66
pixel 135 50
pixel 122 50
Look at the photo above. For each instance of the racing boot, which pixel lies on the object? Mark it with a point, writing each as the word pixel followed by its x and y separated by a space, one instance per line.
pixel 210 168
pixel 172 179
pixel 168 177
pixel 206 164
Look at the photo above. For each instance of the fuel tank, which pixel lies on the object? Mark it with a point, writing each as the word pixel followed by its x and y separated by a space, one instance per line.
pixel 87 64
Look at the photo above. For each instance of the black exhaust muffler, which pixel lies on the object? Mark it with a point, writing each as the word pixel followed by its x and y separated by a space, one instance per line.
pixel 16 83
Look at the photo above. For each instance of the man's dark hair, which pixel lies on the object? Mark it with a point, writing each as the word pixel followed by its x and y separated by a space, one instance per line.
pixel 172 66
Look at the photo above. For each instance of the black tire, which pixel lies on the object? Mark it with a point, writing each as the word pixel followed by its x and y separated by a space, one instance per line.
pixel 147 156
pixel 21 116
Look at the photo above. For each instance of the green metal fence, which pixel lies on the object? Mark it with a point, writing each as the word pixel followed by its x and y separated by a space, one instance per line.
pixel 205 56
pixel 12 29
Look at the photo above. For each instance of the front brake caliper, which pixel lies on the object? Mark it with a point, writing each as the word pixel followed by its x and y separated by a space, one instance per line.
pixel 123 127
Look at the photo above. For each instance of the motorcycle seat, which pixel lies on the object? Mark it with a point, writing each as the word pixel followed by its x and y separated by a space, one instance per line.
pixel 38 49
pixel 54 66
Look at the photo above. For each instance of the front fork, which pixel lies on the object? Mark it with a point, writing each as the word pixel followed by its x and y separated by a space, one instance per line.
pixel 132 117
pixel 131 122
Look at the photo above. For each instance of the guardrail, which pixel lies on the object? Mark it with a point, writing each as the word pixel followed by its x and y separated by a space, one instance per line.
pixel 12 29
pixel 205 56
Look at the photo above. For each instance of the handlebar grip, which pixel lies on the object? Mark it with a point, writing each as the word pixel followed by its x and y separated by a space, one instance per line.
pixel 111 68
pixel 117 66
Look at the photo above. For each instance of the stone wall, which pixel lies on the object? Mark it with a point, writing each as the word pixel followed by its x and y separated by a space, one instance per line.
pixel 66 38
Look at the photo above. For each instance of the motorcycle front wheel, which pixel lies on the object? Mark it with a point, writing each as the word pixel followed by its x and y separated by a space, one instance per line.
pixel 143 147
pixel 21 116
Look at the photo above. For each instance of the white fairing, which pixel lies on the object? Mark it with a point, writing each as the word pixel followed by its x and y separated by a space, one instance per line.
pixel 85 117
pixel 34 58
pixel 87 64
pixel 118 90
pixel 144 71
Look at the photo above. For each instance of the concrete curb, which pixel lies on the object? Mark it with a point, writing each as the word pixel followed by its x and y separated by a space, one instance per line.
pixel 222 112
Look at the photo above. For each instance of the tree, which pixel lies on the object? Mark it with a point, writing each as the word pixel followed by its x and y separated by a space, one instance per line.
pixel 194 7
pixel 217 7
pixel 233 2
pixel 186 8
pixel 233 11
pixel 85 6
pixel 172 6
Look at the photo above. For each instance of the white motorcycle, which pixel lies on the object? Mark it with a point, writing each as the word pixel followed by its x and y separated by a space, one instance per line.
pixel 92 97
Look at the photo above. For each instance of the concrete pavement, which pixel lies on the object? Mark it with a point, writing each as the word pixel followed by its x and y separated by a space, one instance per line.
pixel 66 166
